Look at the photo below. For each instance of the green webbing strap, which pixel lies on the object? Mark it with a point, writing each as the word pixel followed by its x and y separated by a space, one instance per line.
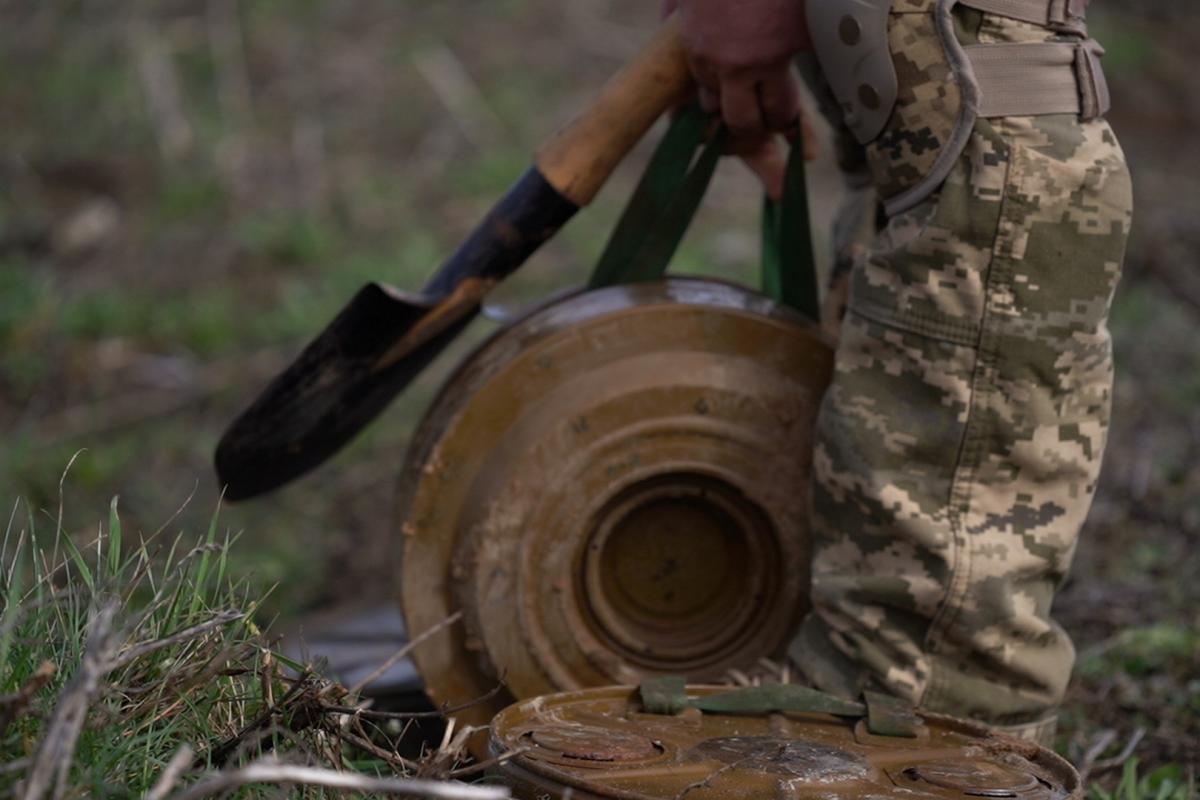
pixel 665 200
pixel 789 272
pixel 664 236
pixel 886 716
pixel 665 174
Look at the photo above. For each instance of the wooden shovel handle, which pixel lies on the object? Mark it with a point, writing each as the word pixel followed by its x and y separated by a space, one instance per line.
pixel 579 158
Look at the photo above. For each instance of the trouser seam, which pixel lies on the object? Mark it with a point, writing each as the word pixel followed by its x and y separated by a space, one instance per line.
pixel 962 334
pixel 969 454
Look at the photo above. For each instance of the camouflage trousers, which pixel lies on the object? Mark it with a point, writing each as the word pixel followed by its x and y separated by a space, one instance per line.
pixel 959 446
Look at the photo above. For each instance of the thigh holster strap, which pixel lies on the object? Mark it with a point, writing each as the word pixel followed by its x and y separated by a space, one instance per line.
pixel 1064 16
pixel 1017 80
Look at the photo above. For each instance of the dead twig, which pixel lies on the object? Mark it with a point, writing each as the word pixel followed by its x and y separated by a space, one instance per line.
pixel 403 652
pixel 187 634
pixel 272 770
pixel 212 668
pixel 170 774
pixel 1117 761
pixel 14 766
pixel 441 761
pixel 56 752
pixel 12 706
pixel 1102 742
pixel 367 746
pixel 444 711
pixel 482 766
pixel 260 727
pixel 707 780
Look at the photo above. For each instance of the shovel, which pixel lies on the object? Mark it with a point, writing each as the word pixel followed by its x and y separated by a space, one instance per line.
pixel 383 339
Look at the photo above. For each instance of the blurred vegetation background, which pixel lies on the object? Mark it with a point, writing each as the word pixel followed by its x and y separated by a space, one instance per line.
pixel 190 189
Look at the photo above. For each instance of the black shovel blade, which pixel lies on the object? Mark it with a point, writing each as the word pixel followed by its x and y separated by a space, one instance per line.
pixel 341 382
pixel 377 345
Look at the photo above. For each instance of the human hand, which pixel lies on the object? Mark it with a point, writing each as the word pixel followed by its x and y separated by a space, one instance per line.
pixel 740 53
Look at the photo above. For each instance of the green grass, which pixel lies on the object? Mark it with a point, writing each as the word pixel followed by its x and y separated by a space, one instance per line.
pixel 187 667
pixel 196 692
pixel 1170 782
pixel 1141 652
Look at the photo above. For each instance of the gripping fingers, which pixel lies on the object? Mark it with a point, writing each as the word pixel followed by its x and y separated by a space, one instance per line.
pixel 740 107
pixel 708 84
pixel 779 100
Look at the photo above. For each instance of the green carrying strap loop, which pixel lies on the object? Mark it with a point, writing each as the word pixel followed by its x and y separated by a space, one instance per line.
pixel 789 268
pixel 666 199
pixel 665 174
pixel 886 716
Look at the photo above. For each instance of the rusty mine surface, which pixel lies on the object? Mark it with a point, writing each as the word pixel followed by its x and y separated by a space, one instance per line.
pixel 598 743
pixel 614 487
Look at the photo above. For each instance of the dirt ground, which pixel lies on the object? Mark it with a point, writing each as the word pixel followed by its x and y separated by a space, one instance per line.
pixel 191 188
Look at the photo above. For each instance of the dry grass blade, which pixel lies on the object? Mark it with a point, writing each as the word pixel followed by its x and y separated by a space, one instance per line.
pixel 452 751
pixel 276 772
pixel 461 95
pixel 161 86
pixel 267 678
pixel 302 693
pixel 361 741
pixel 139 669
pixel 57 749
pixel 187 634
pixel 444 711
pixel 1102 742
pixel 483 766
pixel 1126 753
pixel 403 652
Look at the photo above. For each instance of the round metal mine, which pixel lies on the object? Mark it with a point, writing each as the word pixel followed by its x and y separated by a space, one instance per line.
pixel 599 743
pixel 614 486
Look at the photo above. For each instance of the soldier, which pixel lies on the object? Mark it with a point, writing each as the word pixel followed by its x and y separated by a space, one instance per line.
pixel 959 446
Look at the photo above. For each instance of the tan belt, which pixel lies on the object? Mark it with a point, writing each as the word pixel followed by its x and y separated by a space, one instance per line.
pixel 1066 16
pixel 1018 80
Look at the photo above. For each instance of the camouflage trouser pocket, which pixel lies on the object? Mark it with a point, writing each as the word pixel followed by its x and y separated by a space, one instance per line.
pixel 925 272
pixel 960 442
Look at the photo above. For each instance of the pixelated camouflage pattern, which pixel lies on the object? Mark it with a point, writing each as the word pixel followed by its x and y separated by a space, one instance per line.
pixel 928 105
pixel 959 446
